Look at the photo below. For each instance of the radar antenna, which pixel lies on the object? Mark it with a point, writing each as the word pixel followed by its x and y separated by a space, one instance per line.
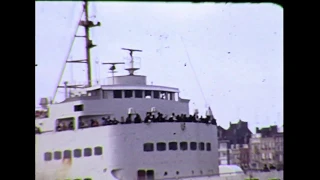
pixel 113 68
pixel 131 69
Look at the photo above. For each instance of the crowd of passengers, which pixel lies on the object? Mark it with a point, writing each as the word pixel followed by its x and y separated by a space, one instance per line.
pixel 41 114
pixel 136 119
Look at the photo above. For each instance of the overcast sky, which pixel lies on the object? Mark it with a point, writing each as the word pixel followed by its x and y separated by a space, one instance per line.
pixel 235 51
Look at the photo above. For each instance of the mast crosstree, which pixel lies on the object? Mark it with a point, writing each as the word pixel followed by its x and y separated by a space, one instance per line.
pixel 86 24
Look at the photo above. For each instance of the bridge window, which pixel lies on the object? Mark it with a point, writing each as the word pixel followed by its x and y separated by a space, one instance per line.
pixel 208 146
pixel 128 94
pixel 201 146
pixel 48 156
pixel 183 146
pixel 57 155
pixel 78 107
pixel 77 153
pixel 161 146
pixel 193 146
pixel 138 93
pixel 173 146
pixel 156 94
pixel 117 94
pixel 147 94
pixel 98 151
pixel 163 95
pixel 67 154
pixel 150 175
pixel 87 152
pixel 171 96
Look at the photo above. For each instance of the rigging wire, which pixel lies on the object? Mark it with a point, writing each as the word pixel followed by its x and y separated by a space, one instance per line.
pixel 67 57
pixel 194 72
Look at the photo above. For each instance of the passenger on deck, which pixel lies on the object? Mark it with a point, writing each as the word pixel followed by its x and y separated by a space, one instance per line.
pixel 178 118
pixel 147 119
pixel 105 121
pixel 70 126
pixel 137 119
pixel 94 123
pixel 172 118
pixel 159 118
pixel 82 124
pixel 165 118
pixel 122 120
pixel 204 120
pixel 129 119
pixel 62 126
pixel 114 121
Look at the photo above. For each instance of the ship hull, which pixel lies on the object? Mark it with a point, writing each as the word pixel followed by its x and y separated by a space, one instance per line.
pixel 123 153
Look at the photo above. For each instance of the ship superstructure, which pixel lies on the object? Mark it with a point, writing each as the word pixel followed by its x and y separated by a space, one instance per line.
pixel 125 130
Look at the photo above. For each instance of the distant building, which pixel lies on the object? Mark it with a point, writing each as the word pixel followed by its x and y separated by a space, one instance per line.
pixel 279 150
pixel 255 154
pixel 245 156
pixel 233 144
pixel 266 148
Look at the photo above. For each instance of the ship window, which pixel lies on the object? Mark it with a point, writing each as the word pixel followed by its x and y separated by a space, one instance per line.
pixel 193 146
pixel 67 154
pixel 78 107
pixel 147 94
pixel 105 94
pixel 201 146
pixel 173 146
pixel 98 151
pixel 77 153
pixel 148 147
pixel 128 94
pixel 161 146
pixel 163 95
pixel 183 146
pixel 87 152
pixel 141 174
pixel 57 155
pixel 117 94
pixel 138 93
pixel 156 94
pixel 150 175
pixel 93 93
pixel 48 156
pixel 208 146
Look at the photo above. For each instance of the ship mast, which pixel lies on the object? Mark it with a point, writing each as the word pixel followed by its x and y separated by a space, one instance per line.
pixel 87 24
pixel 89 44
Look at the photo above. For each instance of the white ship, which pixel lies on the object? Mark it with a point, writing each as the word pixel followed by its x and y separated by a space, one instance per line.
pixel 125 130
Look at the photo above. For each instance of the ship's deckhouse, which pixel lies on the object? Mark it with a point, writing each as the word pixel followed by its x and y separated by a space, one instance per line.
pixel 127 92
